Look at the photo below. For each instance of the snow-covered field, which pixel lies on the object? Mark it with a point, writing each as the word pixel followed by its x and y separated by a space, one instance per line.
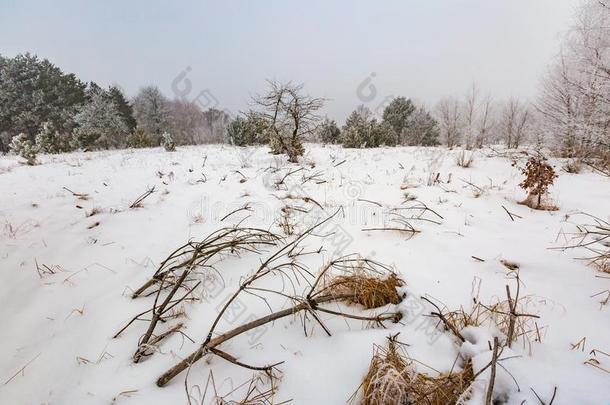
pixel 58 322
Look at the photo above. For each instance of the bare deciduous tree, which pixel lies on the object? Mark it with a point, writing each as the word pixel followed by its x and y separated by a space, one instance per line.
pixel 515 122
pixel 448 110
pixel 291 116
pixel 485 122
pixel 470 116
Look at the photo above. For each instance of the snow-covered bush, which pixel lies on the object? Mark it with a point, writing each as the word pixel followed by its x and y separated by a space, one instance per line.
pixel 49 140
pixel 168 142
pixel 22 146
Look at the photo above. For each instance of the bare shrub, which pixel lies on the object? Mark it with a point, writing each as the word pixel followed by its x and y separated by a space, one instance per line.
pixel 594 237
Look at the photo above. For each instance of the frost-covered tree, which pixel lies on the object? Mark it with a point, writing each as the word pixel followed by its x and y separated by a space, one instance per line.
pixel 34 91
pixel 188 122
pixel 329 132
pixel 450 120
pixel 467 121
pixel 123 106
pixel 397 114
pixel 361 130
pixel 215 126
pixel 515 123
pixel 248 129
pixel 168 142
pixel 485 122
pixel 292 117
pixel 22 146
pixel 152 112
pixel 421 129
pixel 99 125
pixel 575 101
pixel 49 140
pixel 356 131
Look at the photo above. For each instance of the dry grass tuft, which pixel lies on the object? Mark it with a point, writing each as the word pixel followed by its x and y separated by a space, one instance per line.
pixel 389 378
pixel 370 291
pixel 464 159
pixel 525 327
pixel 94 211
pixel 512 266
pixel 446 389
pixel 461 319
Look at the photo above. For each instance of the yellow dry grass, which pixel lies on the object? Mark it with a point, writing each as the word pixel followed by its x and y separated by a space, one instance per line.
pixel 370 291
pixel 445 389
pixel 391 380
pixel 388 379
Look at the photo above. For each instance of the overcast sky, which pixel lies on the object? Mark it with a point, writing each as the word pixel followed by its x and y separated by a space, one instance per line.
pixel 423 49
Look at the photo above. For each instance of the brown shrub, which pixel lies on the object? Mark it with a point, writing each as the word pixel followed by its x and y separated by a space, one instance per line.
pixel 539 175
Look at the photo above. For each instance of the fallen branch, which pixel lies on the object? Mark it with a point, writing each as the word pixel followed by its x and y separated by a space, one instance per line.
pixel 212 343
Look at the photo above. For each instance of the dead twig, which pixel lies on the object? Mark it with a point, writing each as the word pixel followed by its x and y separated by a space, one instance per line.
pixel 492 378
pixel 138 201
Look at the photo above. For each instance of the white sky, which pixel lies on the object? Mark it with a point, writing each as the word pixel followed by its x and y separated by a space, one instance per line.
pixel 423 49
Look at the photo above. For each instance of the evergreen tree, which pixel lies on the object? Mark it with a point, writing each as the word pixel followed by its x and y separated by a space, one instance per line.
pixel 34 91
pixel 22 145
pixel 422 129
pixel 92 89
pixel 49 140
pixel 124 107
pixel 248 130
pixel 361 130
pixel 329 132
pixel 397 114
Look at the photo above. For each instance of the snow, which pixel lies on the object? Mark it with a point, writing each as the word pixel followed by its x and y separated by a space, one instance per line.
pixel 60 326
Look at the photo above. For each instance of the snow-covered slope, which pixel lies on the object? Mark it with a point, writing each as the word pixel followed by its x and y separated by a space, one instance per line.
pixel 58 322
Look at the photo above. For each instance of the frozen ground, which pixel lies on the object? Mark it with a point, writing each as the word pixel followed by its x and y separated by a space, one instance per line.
pixel 56 344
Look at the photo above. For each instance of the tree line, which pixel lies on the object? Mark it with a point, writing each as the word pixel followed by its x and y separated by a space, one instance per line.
pixel 50 111
pixel 58 112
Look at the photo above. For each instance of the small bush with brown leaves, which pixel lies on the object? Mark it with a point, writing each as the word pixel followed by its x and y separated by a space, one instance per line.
pixel 539 176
